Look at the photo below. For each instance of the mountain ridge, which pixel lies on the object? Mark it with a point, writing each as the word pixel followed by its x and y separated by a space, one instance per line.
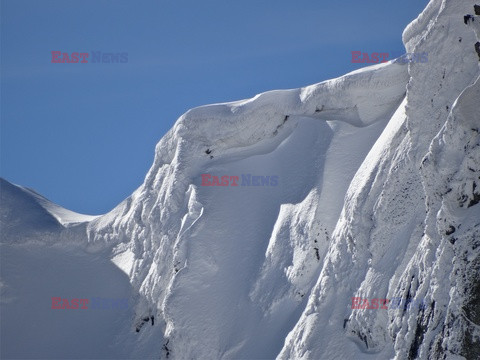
pixel 377 199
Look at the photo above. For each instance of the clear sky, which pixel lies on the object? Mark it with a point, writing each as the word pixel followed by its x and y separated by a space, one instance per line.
pixel 83 134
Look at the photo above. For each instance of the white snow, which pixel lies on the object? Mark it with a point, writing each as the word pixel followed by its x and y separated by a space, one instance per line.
pixel 373 170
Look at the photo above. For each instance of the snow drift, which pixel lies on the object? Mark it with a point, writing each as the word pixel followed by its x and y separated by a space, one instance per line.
pixel 377 197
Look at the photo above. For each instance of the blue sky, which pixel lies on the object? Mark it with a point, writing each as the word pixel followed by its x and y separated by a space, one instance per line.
pixel 83 135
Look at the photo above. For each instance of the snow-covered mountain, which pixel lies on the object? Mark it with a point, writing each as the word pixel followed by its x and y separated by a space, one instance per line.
pixel 361 188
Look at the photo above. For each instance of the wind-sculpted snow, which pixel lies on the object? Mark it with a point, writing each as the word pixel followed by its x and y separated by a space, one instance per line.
pixel 377 198
pixel 406 233
pixel 198 250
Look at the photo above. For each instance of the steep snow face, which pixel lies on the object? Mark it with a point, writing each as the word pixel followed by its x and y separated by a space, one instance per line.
pixel 410 225
pixel 368 188
pixel 235 263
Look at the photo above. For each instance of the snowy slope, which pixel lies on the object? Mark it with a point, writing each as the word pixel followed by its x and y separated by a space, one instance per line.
pixel 25 214
pixel 394 237
pixel 42 255
pixel 199 251
pixel 374 169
